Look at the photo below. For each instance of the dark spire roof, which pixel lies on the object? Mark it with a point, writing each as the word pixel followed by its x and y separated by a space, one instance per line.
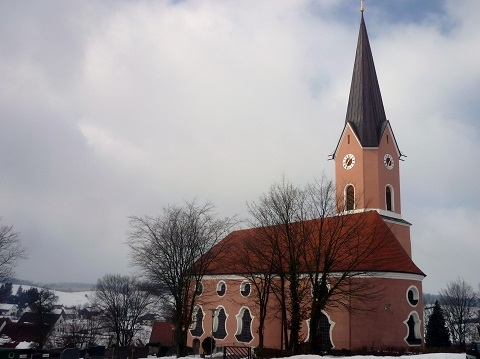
pixel 365 110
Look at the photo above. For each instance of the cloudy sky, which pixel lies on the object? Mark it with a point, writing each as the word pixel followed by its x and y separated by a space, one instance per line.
pixel 118 108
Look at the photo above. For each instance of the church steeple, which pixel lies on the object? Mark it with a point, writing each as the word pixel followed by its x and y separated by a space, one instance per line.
pixel 365 111
pixel 367 158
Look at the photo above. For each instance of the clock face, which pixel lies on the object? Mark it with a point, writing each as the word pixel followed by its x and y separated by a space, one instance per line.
pixel 388 161
pixel 348 161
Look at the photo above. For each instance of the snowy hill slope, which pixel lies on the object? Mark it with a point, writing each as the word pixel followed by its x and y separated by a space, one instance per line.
pixel 67 299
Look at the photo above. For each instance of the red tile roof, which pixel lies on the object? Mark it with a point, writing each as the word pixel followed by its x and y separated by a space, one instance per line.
pixel 19 332
pixel 348 234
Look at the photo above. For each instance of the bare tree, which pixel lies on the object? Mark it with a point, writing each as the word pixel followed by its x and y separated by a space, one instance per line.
pixel 340 251
pixel 80 332
pixel 11 251
pixel 305 237
pixel 260 272
pixel 122 301
pixel 459 302
pixel 172 251
pixel 42 303
pixel 276 215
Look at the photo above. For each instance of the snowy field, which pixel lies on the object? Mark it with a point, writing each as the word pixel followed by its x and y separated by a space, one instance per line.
pixel 67 299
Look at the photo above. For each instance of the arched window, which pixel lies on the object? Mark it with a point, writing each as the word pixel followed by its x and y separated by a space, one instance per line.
pixel 244 326
pixel 197 324
pixel 321 340
pixel 389 198
pixel 219 324
pixel 349 198
pixel 413 329
pixel 323 332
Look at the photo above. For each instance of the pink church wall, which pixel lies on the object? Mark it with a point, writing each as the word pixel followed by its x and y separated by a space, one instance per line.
pixel 384 327
pixel 391 177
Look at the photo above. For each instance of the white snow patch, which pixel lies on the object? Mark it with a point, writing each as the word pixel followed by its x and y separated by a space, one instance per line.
pixel 67 299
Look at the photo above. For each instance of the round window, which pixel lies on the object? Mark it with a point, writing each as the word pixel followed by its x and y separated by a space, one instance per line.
pixel 245 289
pixel 221 289
pixel 412 296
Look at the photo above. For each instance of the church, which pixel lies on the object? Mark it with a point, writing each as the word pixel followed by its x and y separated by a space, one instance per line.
pixel 367 178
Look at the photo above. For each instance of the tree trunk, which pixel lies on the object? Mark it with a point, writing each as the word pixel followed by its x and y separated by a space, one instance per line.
pixel 295 316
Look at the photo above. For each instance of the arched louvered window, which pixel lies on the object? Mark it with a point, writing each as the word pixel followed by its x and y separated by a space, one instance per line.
pixel 349 198
pixel 244 326
pixel 413 327
pixel 323 332
pixel 219 324
pixel 197 325
pixel 389 198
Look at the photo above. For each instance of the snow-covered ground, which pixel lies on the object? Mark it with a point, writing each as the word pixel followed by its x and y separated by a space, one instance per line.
pixel 67 299
pixel 419 356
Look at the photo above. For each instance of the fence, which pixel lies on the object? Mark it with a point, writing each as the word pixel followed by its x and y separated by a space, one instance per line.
pixel 235 352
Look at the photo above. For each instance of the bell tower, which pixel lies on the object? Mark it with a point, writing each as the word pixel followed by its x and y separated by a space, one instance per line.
pixel 367 157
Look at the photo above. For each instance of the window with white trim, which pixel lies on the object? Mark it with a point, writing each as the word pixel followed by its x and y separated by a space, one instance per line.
pixel 389 198
pixel 245 289
pixel 221 288
pixel 323 332
pixel 413 296
pixel 413 329
pixel 244 326
pixel 349 198
pixel 197 324
pixel 219 324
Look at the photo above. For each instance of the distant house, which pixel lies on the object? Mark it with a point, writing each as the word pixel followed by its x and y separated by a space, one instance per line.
pixel 8 310
pixel 87 313
pixel 163 333
pixel 147 319
pixel 43 326
pixel 67 313
pixel 70 313
pixel 16 335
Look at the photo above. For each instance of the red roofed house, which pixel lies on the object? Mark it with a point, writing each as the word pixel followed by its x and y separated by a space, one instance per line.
pixel 368 179
pixel 162 332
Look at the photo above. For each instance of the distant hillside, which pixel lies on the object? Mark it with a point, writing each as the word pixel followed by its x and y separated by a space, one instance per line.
pixel 61 286
pixel 430 298
pixel 67 299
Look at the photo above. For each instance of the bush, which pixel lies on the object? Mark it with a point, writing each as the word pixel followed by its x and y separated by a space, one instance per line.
pixel 208 345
